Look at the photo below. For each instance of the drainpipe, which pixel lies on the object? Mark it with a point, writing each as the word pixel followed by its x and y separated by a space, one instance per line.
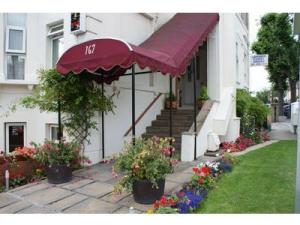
pixel 60 133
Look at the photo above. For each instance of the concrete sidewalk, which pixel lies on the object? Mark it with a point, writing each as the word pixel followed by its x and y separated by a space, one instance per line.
pixel 282 131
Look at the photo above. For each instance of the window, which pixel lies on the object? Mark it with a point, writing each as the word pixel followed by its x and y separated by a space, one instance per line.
pixel 15 67
pixel 53 132
pixel 57 49
pixel 15 136
pixel 55 34
pixel 15 46
pixel 15 39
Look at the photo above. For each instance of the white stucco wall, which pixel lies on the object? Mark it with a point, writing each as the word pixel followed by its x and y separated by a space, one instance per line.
pixel 133 28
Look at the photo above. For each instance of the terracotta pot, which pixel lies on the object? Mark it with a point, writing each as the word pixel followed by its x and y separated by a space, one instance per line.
pixel 200 103
pixel 144 192
pixel 173 103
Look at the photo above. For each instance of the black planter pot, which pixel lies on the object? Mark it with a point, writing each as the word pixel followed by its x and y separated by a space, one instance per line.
pixel 144 192
pixel 59 174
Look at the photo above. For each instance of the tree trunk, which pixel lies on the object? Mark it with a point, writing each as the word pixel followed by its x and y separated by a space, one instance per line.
pixel 293 89
pixel 280 102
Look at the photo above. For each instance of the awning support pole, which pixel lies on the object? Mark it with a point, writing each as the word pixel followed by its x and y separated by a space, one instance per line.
pixel 133 103
pixel 171 109
pixel 60 133
pixel 195 107
pixel 102 120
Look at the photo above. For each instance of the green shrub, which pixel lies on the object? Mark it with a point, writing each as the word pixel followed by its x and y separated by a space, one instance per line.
pixel 253 112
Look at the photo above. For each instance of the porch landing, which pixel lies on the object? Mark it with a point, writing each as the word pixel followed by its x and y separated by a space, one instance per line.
pixel 88 192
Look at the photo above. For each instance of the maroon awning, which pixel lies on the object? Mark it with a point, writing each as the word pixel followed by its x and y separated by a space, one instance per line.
pixel 169 50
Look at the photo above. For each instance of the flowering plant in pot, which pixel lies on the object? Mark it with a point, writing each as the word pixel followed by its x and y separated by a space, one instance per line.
pixel 145 165
pixel 171 101
pixel 203 97
pixel 59 158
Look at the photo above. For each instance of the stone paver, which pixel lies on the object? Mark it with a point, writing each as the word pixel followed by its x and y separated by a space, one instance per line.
pixel 90 191
pixel 96 189
pixel 113 198
pixel 170 186
pixel 48 196
pixel 92 205
pixel 129 202
pixel 78 183
pixel 15 207
pixel 6 199
pixel 36 210
pixel 179 177
pixel 32 189
pixel 67 202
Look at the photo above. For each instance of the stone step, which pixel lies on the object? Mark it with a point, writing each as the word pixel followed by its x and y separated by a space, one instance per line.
pixel 175 130
pixel 176 117
pixel 175 123
pixel 177 112
pixel 213 153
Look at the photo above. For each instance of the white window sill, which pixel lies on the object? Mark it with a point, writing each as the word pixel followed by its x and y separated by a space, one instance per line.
pixel 18 82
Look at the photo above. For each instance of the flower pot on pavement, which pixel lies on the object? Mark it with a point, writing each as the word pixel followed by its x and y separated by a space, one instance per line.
pixel 59 174
pixel 145 193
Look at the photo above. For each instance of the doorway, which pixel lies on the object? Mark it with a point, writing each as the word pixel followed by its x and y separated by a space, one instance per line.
pixel 186 84
pixel 15 136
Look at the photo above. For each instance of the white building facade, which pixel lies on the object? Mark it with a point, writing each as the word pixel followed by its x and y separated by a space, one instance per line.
pixel 30 42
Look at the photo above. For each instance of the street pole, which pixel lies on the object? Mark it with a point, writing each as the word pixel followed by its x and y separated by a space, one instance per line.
pixel 297 206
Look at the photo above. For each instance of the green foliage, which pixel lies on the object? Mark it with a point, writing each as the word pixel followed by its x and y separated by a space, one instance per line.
pixel 231 158
pixel 203 93
pixel 166 210
pixel 264 96
pixel 61 153
pixel 253 112
pixel 275 38
pixel 171 97
pixel 80 98
pixel 148 159
pixel 18 181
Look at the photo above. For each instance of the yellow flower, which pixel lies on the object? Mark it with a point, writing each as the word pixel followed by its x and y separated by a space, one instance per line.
pixel 150 211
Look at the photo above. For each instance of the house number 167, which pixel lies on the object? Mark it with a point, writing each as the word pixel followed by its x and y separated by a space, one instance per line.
pixel 89 49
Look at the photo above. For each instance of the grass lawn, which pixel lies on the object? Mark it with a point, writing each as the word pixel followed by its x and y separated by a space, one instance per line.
pixel 263 182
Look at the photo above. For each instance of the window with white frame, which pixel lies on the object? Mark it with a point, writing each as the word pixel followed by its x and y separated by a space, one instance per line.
pixel 55 34
pixel 15 46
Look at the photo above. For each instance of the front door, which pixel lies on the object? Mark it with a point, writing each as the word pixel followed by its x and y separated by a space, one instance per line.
pixel 187 88
pixel 15 136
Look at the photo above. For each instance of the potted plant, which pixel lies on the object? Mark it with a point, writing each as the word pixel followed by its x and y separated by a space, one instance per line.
pixel 203 97
pixel 171 101
pixel 145 165
pixel 59 158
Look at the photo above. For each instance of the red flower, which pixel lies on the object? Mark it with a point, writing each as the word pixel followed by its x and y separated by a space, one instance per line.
pixel 201 181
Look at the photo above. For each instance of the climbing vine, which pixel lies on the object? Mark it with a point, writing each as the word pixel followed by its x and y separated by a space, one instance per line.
pixel 80 99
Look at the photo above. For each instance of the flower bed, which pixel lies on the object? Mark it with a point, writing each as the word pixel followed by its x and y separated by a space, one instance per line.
pixel 192 194
pixel 21 166
pixel 241 143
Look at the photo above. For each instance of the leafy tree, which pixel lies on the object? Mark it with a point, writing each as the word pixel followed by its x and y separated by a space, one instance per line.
pixel 80 99
pixel 275 39
pixel 264 95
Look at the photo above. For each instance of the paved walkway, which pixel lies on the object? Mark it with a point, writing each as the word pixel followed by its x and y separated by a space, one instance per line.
pixel 88 192
pixel 282 131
